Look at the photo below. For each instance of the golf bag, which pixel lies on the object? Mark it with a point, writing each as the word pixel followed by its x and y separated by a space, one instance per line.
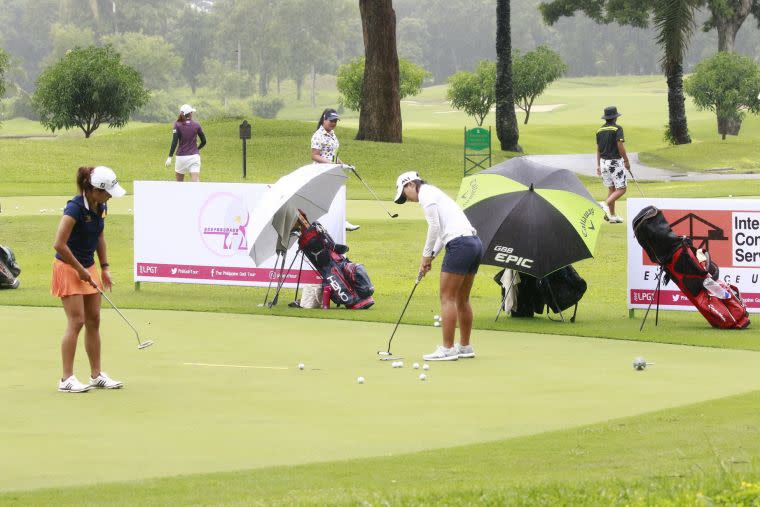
pixel 557 292
pixel 9 269
pixel 562 289
pixel 720 303
pixel 349 282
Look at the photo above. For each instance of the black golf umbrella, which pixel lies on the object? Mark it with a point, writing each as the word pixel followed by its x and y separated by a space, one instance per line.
pixel 531 218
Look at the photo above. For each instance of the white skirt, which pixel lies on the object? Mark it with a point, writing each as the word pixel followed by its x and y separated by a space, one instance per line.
pixel 187 164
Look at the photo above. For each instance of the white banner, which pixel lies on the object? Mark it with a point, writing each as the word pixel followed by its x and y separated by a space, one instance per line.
pixel 197 233
pixel 728 228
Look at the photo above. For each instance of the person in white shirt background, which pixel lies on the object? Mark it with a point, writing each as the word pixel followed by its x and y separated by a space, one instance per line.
pixel 325 144
pixel 448 228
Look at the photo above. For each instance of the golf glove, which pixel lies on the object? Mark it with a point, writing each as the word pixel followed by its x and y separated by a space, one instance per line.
pixel 168 162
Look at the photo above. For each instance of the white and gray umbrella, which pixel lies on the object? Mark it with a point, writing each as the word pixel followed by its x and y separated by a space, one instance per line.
pixel 310 188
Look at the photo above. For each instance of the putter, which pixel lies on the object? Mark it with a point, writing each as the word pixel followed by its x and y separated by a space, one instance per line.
pixel 385 355
pixel 636 182
pixel 392 215
pixel 140 344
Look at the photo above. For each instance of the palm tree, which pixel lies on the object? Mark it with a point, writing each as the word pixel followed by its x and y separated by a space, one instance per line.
pixel 506 119
pixel 674 21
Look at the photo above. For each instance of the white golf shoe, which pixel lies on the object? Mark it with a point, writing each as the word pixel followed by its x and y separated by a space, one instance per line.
pixel 464 352
pixel 606 210
pixel 351 227
pixel 615 219
pixel 103 381
pixel 442 354
pixel 72 385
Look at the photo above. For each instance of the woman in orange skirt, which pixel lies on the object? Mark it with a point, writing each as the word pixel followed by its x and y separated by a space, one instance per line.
pixel 75 277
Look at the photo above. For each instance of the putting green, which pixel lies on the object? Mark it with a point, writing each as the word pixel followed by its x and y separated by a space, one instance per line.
pixel 222 392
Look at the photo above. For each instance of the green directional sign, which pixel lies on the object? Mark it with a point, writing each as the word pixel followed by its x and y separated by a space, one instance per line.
pixel 477 139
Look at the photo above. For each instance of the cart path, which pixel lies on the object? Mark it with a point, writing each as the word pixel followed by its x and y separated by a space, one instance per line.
pixel 585 164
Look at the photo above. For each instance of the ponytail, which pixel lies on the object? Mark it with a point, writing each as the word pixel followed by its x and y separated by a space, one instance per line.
pixel 83 179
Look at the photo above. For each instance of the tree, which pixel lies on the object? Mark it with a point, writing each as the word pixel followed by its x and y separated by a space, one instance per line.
pixel 88 87
pixel 3 68
pixel 193 43
pixel 674 22
pixel 532 73
pixel 506 120
pixel 226 82
pixel 727 16
pixel 474 92
pixel 727 84
pixel 150 55
pixel 65 37
pixel 350 81
pixel 380 113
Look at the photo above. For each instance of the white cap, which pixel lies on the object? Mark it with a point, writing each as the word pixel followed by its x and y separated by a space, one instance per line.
pixel 104 178
pixel 401 182
pixel 186 109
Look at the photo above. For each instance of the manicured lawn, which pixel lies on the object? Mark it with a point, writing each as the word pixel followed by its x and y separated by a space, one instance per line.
pixel 548 414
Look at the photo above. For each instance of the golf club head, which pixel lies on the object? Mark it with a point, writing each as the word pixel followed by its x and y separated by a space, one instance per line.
pixel 145 344
pixel 395 215
pixel 383 352
pixel 391 358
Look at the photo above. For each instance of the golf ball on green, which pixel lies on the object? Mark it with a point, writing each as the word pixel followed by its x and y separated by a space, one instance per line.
pixel 437 324
pixel 437 317
pixel 423 376
pixel 360 380
pixel 416 366
pixel 425 366
pixel 301 366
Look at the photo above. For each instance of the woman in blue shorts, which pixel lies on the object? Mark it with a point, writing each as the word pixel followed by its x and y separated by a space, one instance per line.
pixel 447 227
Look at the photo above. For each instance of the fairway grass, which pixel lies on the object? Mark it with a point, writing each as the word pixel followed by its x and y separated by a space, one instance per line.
pixel 223 393
pixel 216 413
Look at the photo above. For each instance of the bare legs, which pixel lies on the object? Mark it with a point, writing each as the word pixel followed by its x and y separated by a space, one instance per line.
pixel 81 311
pixel 613 194
pixel 193 176
pixel 455 306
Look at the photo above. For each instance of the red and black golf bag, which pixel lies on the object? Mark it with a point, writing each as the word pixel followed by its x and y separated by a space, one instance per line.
pixel 9 269
pixel 349 283
pixel 718 302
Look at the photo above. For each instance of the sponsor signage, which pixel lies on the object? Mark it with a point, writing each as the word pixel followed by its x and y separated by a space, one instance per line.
pixel 729 229
pixel 198 233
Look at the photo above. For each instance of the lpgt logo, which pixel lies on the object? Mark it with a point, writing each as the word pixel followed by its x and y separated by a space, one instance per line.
pixel 505 255
pixel 337 288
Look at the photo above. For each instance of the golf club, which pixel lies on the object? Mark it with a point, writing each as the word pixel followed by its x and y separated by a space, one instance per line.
pixel 386 354
pixel 636 182
pixel 140 344
pixel 353 170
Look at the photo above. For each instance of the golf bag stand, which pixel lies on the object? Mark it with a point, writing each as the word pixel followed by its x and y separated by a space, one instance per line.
pixel 720 303
pixel 349 283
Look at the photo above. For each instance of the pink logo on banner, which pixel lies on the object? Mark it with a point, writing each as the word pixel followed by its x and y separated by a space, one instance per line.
pixel 222 224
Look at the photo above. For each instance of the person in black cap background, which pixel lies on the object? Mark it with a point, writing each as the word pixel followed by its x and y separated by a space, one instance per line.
pixel 324 145
pixel 611 162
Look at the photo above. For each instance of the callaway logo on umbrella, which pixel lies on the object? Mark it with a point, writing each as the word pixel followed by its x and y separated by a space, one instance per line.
pixel 531 218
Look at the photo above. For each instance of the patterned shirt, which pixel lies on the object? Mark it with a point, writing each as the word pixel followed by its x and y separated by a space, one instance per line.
pixel 326 142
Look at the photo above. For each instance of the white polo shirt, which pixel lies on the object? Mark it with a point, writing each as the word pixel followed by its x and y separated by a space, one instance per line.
pixel 446 220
